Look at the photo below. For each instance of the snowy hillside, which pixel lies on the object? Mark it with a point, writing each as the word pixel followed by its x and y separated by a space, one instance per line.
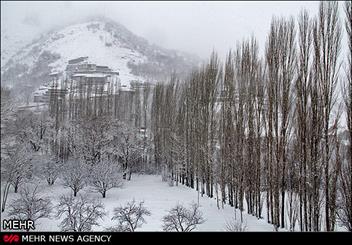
pixel 9 46
pixel 12 42
pixel 104 42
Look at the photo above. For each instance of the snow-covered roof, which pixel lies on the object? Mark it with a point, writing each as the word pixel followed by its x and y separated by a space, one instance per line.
pixel 126 89
pixel 96 75
pixel 54 73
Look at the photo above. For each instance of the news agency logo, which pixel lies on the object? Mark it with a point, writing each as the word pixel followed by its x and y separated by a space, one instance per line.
pixel 55 238
pixel 17 224
pixel 11 238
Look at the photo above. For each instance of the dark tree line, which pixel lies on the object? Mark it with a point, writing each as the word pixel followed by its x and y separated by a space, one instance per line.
pixel 264 130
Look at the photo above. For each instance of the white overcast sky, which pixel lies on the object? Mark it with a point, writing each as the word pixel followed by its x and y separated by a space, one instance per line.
pixel 196 27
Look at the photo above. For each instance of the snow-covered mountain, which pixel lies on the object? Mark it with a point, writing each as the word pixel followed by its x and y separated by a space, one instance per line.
pixel 13 41
pixel 10 44
pixel 105 42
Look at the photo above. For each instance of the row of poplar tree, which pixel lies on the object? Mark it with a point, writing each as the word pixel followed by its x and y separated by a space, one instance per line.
pixel 267 132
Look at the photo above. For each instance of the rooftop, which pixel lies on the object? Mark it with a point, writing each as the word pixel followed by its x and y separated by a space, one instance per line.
pixel 94 75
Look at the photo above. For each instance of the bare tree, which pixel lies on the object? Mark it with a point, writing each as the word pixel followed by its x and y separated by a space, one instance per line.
pixel 327 44
pixel 15 169
pixel 130 217
pixel 234 225
pixel 292 209
pixel 129 146
pixel 30 206
pixel 181 219
pixel 33 130
pixel 75 175
pixel 6 106
pixel 280 58
pixel 104 176
pixel 50 168
pixel 91 138
pixel 7 109
pixel 345 201
pixel 302 110
pixel 80 213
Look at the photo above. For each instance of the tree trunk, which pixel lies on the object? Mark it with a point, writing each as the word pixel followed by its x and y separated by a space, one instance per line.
pixel 6 192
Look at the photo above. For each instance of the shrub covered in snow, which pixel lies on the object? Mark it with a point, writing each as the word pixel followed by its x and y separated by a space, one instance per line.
pixel 50 168
pixel 30 205
pixel 182 219
pixel 235 225
pixel 80 213
pixel 75 175
pixel 129 217
pixel 16 168
pixel 104 176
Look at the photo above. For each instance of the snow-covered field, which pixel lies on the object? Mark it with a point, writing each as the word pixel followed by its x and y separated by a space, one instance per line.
pixel 158 196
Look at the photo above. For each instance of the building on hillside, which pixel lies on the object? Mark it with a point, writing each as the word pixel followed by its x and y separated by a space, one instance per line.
pixel 137 84
pixel 86 89
pixel 81 73
pixel 81 65
pixel 31 107
pixel 41 95
pixel 77 60
pixel 84 74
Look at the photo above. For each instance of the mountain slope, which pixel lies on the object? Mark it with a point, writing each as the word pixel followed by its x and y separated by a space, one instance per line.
pixel 13 41
pixel 105 43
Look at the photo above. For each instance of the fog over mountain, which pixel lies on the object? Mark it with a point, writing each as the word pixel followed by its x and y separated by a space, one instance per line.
pixel 104 42
pixel 197 27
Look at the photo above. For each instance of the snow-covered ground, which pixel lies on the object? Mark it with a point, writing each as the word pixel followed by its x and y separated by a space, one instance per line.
pixel 158 196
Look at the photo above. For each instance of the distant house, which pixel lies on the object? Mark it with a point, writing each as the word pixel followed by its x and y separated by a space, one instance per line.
pixel 41 95
pixel 57 92
pixel 103 69
pixel 83 72
pixel 79 76
pixel 96 78
pixel 77 60
pixel 33 107
pixel 138 84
